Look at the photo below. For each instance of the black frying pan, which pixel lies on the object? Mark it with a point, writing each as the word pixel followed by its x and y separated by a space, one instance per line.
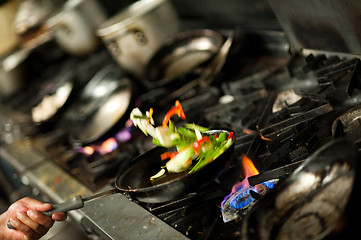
pixel 309 203
pixel 136 180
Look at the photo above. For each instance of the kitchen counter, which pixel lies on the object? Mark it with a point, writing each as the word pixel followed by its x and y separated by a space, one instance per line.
pixel 110 217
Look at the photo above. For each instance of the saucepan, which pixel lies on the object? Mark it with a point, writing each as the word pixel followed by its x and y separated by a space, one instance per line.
pixel 311 203
pixel 8 38
pixel 136 180
pixel 71 24
pixel 133 35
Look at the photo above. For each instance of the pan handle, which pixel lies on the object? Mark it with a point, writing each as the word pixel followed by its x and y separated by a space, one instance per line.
pixel 72 204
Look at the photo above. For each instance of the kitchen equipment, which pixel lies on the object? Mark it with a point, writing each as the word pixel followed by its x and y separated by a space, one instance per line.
pixel 8 38
pixel 55 96
pixel 308 204
pixel 70 23
pixel 102 106
pixel 182 57
pixel 204 74
pixel 136 180
pixel 11 77
pixel 133 35
pixel 73 26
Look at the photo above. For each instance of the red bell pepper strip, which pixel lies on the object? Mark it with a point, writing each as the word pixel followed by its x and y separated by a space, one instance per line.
pixel 198 144
pixel 230 135
pixel 177 109
pixel 166 155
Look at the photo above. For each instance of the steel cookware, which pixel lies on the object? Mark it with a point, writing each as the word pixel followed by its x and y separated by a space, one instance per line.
pixel 182 58
pixel 11 77
pixel 73 26
pixel 55 96
pixel 102 106
pixel 133 35
pixel 8 38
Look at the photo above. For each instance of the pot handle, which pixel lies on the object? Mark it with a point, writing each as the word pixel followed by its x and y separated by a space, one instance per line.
pixel 138 35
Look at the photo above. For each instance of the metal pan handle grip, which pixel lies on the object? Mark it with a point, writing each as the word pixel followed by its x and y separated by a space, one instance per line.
pixel 72 204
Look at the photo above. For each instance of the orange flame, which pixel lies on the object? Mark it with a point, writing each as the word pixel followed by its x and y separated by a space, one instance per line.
pixel 108 146
pixel 248 167
pixel 250 131
pixel 88 150
pixel 249 170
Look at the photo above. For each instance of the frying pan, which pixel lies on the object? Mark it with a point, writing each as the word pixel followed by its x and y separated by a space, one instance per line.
pixel 101 108
pixel 136 180
pixel 56 96
pixel 310 203
pixel 182 58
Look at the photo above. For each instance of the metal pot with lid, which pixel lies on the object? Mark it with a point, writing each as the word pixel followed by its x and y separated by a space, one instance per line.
pixel 8 37
pixel 71 24
pixel 133 35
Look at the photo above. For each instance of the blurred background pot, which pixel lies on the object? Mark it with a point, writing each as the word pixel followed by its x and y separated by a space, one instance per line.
pixel 11 77
pixel 74 26
pixel 134 34
pixel 8 37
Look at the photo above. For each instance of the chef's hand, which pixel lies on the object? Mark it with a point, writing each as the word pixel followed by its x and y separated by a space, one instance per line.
pixel 29 223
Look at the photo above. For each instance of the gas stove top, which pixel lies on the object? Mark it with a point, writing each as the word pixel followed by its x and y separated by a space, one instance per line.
pixel 282 110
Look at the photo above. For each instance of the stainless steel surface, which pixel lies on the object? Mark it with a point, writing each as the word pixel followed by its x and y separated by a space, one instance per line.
pixel 323 25
pixel 115 217
pixel 133 35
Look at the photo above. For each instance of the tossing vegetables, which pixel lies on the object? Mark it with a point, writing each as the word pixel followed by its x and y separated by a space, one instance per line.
pixel 194 148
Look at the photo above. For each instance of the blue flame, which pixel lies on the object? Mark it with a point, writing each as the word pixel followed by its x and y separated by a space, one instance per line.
pixel 269 184
pixel 243 198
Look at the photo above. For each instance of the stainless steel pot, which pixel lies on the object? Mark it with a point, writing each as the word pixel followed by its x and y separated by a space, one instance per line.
pixel 133 35
pixel 11 77
pixel 8 37
pixel 74 26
